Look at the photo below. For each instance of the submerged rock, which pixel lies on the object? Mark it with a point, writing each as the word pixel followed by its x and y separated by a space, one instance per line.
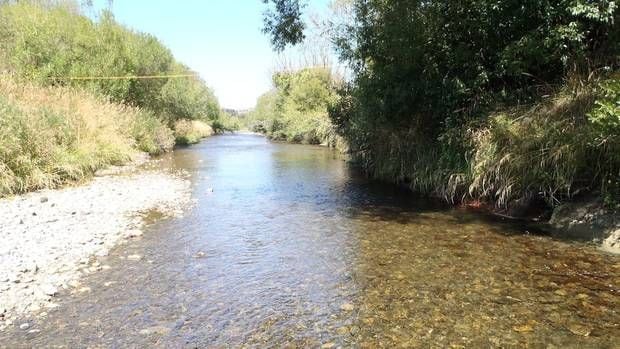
pixel 347 307
pixel 157 330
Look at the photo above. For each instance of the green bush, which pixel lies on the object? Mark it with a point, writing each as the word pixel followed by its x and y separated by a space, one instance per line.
pixel 190 132
pixel 297 109
pixel 490 100
pixel 51 136
pixel 51 43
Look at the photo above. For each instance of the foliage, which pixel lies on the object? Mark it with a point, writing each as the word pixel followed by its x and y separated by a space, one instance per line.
pixel 188 132
pixel 284 23
pixel 605 135
pixel 226 123
pixel 50 136
pixel 296 110
pixel 493 100
pixel 48 42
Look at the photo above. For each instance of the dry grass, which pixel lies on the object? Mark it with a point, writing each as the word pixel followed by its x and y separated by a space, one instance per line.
pixel 547 151
pixel 191 131
pixel 51 136
pixel 554 150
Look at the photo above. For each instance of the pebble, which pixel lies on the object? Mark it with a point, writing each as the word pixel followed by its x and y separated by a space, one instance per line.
pixel 49 290
pixel 133 233
pixel 347 307
pixel 159 330
pixel 134 257
pixel 92 219
pixel 579 329
pixel 24 326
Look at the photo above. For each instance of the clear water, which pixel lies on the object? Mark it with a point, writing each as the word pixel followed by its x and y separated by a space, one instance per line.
pixel 292 248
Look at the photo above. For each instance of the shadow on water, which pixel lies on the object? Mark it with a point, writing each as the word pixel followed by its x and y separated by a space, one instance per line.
pixel 288 246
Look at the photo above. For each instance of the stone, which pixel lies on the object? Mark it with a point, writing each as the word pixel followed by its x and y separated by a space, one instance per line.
pixel 134 233
pixel 49 290
pixel 580 330
pixel 158 330
pixel 328 345
pixel 44 199
pixel 347 307
pixel 24 326
pixel 342 330
pixel 612 242
pixel 134 257
pixel 523 328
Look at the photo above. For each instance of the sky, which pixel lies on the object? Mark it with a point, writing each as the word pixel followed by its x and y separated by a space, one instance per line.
pixel 220 39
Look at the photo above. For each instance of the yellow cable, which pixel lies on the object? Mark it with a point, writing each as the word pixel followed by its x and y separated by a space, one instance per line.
pixel 122 77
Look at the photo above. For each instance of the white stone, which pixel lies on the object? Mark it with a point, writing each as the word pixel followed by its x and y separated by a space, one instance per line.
pixel 50 246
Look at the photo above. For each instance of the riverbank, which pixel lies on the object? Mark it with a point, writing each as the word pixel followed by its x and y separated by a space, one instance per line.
pixel 51 238
pixel 288 246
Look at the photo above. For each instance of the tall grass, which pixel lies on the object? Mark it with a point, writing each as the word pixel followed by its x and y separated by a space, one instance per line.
pixel 191 131
pixel 54 135
pixel 554 149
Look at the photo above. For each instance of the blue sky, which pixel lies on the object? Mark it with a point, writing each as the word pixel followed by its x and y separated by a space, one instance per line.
pixel 220 39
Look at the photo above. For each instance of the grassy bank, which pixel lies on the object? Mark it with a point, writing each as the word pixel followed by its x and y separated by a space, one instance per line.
pixel 552 150
pixel 53 135
pixel 55 129
pixel 505 102
pixel 296 109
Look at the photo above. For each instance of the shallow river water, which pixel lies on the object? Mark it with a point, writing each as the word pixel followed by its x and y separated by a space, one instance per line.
pixel 287 246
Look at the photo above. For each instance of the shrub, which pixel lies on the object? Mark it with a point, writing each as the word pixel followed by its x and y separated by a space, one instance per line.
pixel 189 132
pixel 50 42
pixel 51 136
pixel 297 109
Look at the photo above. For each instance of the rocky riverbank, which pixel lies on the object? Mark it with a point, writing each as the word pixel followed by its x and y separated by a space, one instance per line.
pixel 50 238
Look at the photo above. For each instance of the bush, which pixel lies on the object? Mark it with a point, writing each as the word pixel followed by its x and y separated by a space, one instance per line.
pixel 51 43
pixel 151 135
pixel 190 132
pixel 51 136
pixel 297 109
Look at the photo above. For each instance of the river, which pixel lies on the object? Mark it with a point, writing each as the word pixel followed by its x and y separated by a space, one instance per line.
pixel 288 246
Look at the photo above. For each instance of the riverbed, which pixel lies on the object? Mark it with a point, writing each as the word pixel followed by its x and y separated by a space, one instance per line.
pixel 290 246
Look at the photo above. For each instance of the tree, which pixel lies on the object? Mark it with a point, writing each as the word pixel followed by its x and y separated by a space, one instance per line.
pixel 284 23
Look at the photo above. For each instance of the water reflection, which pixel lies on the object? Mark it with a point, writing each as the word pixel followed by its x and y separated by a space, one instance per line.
pixel 289 247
